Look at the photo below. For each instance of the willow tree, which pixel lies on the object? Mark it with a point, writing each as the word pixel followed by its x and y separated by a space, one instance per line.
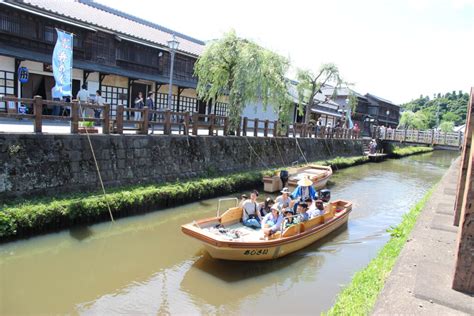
pixel 245 72
pixel 310 84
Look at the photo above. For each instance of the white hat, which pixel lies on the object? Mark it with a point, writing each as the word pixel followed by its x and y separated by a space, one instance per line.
pixel 285 190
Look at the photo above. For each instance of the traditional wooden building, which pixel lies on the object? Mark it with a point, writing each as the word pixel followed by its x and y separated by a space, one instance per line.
pixel 384 112
pixel 370 109
pixel 114 52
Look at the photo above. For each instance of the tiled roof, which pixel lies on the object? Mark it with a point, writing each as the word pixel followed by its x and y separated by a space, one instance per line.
pixel 344 91
pixel 95 14
pixel 368 95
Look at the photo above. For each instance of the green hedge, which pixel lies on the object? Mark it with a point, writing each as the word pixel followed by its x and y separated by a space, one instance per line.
pixel 39 215
pixel 359 296
pixel 398 152
pixel 44 214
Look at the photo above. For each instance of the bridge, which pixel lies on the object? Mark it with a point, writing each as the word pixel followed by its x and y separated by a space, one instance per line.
pixel 446 140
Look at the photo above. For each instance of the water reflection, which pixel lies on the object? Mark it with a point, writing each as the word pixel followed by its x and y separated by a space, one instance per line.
pixel 80 233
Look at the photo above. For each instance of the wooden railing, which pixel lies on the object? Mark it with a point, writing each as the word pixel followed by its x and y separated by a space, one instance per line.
pixel 167 122
pixel 74 112
pixel 430 137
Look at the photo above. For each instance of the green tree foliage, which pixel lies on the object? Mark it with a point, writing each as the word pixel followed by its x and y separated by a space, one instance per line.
pixel 414 120
pixel 451 106
pixel 450 116
pixel 353 101
pixel 446 126
pixel 309 84
pixel 245 72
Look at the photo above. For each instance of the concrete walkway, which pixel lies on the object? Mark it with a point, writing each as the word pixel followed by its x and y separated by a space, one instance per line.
pixel 420 282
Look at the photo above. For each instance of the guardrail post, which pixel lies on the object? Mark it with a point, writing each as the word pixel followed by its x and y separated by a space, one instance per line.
pixel 238 126
pixel 255 127
pixel 294 129
pixel 106 126
pixel 226 126
pixel 167 124
pixel 195 123
pixel 211 125
pixel 275 128
pixel 74 118
pixel 265 129
pixel 119 119
pixel 445 138
pixel 432 137
pixel 459 139
pixel 244 127
pixel 38 112
pixel 144 127
pixel 405 135
pixel 186 123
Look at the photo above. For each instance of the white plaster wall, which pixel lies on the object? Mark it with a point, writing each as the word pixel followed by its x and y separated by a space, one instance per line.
pixel 255 110
pixel 7 63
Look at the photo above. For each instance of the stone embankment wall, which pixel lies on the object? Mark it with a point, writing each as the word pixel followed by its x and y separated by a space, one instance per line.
pixel 49 164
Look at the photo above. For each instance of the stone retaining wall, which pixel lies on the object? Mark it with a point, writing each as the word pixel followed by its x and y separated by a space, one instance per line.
pixel 48 164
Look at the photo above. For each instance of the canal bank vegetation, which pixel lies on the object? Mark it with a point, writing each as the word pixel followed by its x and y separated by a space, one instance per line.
pixel 30 217
pixel 358 298
pixel 399 152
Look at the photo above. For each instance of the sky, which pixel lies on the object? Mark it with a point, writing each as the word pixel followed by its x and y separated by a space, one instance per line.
pixel 397 50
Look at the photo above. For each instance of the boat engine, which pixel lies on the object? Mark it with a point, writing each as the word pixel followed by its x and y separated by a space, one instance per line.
pixel 284 177
pixel 324 195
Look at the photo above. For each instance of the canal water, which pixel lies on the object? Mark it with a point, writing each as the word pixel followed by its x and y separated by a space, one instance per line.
pixel 145 265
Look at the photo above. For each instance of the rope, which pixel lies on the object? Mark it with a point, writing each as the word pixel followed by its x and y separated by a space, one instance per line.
pixel 279 152
pixel 263 163
pixel 329 151
pixel 296 139
pixel 97 166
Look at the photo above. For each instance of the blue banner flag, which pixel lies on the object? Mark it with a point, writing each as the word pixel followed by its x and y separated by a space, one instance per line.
pixel 62 64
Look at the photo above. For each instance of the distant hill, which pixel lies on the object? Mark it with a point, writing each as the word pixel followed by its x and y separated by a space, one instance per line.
pixel 448 107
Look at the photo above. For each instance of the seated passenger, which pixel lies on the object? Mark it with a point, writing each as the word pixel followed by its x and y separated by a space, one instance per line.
pixel 288 218
pixel 266 206
pixel 302 213
pixel 271 223
pixel 250 215
pixel 284 199
pixel 243 198
pixel 318 210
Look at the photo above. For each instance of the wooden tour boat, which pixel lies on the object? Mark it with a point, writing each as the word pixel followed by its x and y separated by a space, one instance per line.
pixel 319 175
pixel 224 236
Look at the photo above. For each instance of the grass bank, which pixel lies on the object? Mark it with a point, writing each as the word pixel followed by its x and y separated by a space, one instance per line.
pixel 398 152
pixel 358 298
pixel 30 217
